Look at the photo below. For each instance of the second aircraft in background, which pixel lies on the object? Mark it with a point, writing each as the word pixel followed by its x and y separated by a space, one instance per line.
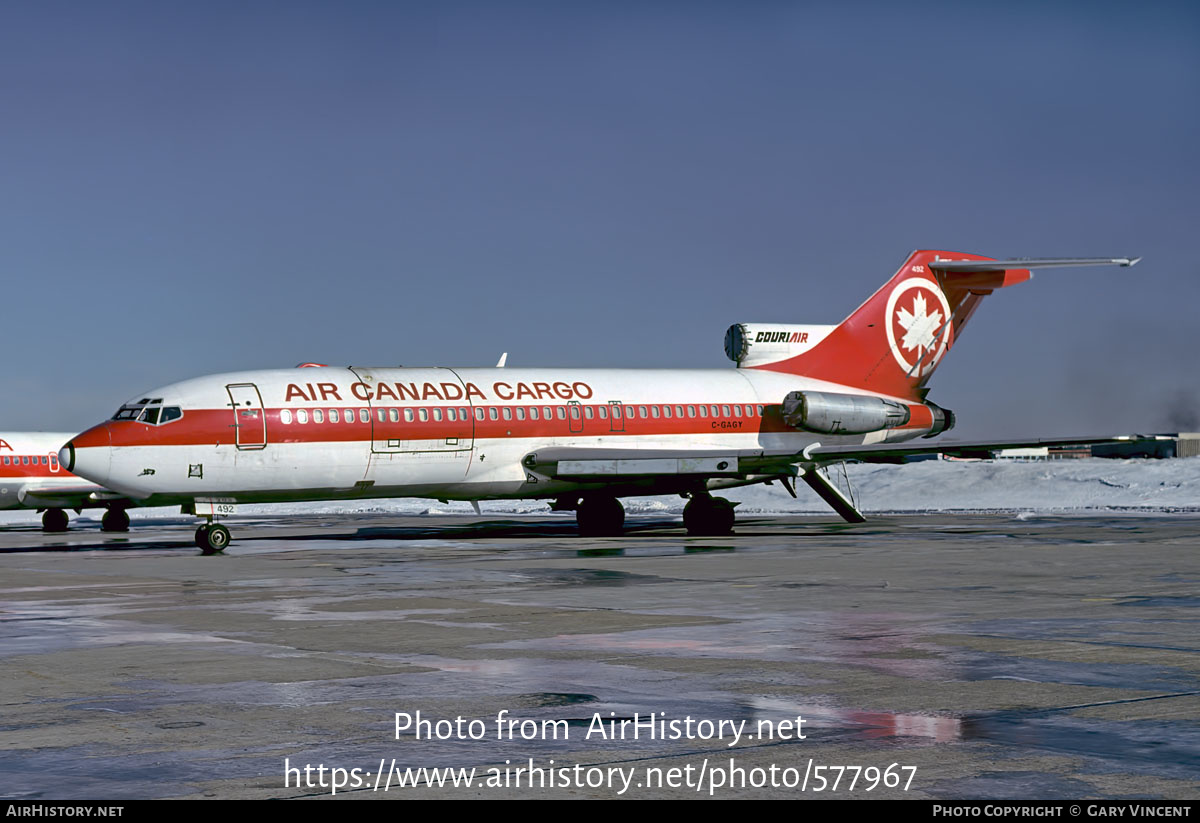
pixel 31 477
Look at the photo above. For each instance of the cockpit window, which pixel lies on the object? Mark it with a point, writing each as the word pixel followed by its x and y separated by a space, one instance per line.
pixel 149 412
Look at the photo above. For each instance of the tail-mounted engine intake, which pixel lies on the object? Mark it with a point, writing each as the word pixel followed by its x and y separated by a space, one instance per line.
pixel 757 344
pixel 829 413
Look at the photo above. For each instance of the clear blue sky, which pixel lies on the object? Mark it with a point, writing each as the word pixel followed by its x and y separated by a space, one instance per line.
pixel 205 187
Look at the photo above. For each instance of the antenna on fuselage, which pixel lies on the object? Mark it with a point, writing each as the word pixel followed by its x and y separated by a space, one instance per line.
pixel 500 362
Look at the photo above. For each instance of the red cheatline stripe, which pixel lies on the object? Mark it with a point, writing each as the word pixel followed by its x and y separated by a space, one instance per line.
pixel 214 426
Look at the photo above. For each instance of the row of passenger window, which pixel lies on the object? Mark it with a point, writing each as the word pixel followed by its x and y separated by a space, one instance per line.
pixel 23 460
pixel 463 413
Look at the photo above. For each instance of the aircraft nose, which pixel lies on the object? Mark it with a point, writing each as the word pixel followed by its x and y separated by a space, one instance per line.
pixel 89 454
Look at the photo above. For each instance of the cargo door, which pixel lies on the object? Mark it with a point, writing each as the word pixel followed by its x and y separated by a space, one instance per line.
pixel 418 411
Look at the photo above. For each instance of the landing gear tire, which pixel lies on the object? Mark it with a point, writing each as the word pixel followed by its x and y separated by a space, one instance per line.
pixel 709 516
pixel 54 520
pixel 212 539
pixel 600 517
pixel 114 520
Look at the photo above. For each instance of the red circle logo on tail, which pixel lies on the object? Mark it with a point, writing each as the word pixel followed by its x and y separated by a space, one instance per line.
pixel 918 319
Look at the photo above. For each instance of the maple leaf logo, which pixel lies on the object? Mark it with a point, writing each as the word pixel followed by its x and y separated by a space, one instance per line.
pixel 919 333
pixel 920 329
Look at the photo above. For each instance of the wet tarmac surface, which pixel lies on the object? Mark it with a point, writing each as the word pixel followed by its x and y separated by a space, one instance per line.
pixel 999 656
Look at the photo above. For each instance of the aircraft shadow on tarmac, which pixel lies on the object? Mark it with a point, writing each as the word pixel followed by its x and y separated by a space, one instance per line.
pixel 342 527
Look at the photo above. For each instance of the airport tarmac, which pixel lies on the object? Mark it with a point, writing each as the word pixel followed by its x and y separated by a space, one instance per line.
pixel 948 656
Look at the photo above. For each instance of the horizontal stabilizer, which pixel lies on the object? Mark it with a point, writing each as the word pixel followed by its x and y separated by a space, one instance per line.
pixel 1032 263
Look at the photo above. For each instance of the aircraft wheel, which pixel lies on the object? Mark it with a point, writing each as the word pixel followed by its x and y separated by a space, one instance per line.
pixel 202 536
pixel 114 520
pixel 54 520
pixel 600 516
pixel 708 516
pixel 216 538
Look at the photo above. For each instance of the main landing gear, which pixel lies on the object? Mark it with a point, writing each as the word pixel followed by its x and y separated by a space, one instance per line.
pixel 600 516
pixel 114 520
pixel 709 516
pixel 212 538
pixel 54 520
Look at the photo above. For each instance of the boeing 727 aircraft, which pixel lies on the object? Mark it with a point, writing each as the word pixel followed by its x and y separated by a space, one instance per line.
pixel 802 396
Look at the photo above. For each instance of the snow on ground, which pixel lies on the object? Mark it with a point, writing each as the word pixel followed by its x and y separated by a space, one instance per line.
pixel 1036 486
pixel 1042 486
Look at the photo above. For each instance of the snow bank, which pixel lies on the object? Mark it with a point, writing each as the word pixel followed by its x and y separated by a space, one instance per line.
pixel 1039 486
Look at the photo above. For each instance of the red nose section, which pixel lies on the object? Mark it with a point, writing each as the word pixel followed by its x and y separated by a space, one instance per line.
pixel 96 436
pixel 89 454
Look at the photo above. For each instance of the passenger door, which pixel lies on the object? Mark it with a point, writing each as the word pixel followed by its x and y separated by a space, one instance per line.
pixel 249 419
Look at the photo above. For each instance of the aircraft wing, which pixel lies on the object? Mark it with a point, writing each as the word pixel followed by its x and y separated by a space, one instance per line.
pixel 582 464
pixel 599 464
pixel 887 453
pixel 75 496
pixel 716 469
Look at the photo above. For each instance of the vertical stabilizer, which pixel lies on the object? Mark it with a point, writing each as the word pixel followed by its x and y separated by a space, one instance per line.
pixel 893 342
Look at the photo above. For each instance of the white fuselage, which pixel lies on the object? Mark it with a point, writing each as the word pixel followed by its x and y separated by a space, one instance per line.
pixel 330 432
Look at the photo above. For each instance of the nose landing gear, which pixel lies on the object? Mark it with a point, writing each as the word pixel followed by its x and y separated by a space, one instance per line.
pixel 212 538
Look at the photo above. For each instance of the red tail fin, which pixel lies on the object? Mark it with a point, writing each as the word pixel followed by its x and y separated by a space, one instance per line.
pixel 892 343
